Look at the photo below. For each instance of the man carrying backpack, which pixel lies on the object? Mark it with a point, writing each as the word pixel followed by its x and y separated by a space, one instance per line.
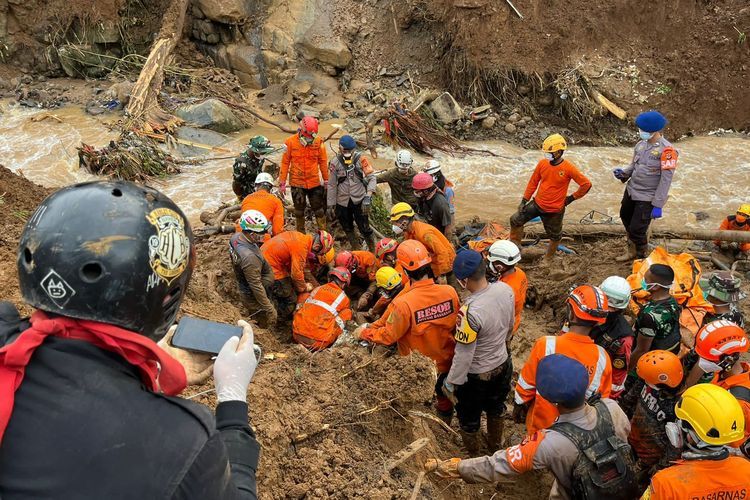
pixel 350 192
pixel 585 449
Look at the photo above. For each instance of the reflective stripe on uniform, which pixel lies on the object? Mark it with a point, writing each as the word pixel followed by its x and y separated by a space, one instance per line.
pixel 549 345
pixel 601 364
pixel 618 388
pixel 524 384
pixel 331 308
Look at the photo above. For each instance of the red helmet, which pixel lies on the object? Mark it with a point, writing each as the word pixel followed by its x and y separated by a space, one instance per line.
pixel 385 246
pixel 347 260
pixel 308 127
pixel 720 338
pixel 412 255
pixel 422 181
pixel 342 274
pixel 589 303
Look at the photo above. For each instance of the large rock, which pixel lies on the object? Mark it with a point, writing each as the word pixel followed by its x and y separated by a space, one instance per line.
pixel 226 11
pixel 211 114
pixel 198 136
pixel 246 63
pixel 105 32
pixel 84 60
pixel 446 108
pixel 325 48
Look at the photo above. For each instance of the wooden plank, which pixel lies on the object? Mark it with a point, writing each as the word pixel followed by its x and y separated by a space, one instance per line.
pixel 609 105
pixel 406 453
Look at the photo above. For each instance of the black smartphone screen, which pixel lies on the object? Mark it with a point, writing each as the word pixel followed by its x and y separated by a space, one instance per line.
pixel 199 335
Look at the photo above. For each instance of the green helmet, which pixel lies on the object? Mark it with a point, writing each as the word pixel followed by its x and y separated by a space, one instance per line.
pixel 254 221
pixel 260 145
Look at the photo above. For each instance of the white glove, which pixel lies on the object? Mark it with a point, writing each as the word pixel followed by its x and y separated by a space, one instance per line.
pixel 234 367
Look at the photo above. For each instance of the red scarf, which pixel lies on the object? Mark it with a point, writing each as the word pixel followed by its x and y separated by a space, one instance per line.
pixel 159 371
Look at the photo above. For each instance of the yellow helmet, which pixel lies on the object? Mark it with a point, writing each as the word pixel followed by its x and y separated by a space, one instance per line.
pixel 713 413
pixel 553 143
pixel 327 258
pixel 744 209
pixel 387 278
pixel 401 210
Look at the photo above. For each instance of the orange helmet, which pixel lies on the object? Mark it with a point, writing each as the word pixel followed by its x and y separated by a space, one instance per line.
pixel 342 274
pixel 326 242
pixel 385 246
pixel 347 260
pixel 660 367
pixel 720 338
pixel 412 255
pixel 589 303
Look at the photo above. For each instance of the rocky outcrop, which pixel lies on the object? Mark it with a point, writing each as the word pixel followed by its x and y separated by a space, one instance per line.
pixel 211 114
pixel 446 109
pixel 226 11
pixel 325 48
pixel 247 62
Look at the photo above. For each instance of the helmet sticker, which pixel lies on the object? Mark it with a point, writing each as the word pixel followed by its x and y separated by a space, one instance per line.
pixel 57 288
pixel 169 248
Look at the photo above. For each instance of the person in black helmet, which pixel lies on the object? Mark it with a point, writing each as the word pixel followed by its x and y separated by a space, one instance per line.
pixel 88 400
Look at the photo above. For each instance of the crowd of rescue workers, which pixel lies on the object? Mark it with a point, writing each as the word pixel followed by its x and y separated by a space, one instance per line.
pixel 642 394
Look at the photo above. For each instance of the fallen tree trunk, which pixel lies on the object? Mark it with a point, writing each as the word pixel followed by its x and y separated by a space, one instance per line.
pixel 574 230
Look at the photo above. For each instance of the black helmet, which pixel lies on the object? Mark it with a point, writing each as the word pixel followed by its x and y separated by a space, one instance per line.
pixel 108 251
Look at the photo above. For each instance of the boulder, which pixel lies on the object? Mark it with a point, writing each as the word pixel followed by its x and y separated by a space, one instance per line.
pixel 510 128
pixel 198 136
pixel 489 122
pixel 353 125
pixel 514 118
pixel 446 109
pixel 226 11
pixel 211 114
pixel 84 60
pixel 325 48
pixel 246 62
pixel 105 32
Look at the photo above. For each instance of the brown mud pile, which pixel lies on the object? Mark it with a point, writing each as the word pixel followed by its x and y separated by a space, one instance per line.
pixel 329 422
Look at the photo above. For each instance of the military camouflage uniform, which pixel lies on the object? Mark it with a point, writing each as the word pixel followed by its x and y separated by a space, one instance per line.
pixel 244 171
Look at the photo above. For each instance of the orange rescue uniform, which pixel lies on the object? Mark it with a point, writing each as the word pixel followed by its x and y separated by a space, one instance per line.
pixel 553 181
pixel 440 249
pixel 368 264
pixel 729 224
pixel 287 255
pixel 304 164
pixel 267 204
pixel 321 318
pixel 423 319
pixel 582 348
pixel 702 479
pixel 739 386
pixel 518 282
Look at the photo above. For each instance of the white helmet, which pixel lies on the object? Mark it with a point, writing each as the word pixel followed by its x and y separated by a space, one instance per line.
pixel 504 251
pixel 264 178
pixel 254 221
pixel 432 167
pixel 617 290
pixel 404 159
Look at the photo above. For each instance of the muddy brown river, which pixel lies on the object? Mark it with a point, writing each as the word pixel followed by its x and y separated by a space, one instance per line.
pixel 713 173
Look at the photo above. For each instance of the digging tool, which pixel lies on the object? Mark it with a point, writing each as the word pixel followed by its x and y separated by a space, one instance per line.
pixel 514 8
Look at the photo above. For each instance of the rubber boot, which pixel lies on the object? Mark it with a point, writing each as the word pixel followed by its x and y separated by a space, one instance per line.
pixel 353 240
pixel 300 220
pixel 321 220
pixel 472 442
pixel 641 251
pixel 494 433
pixel 516 235
pixel 551 249
pixel 630 255
pixel 370 240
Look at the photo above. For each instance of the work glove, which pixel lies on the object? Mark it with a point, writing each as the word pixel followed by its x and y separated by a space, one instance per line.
pixel 331 213
pixel 366 203
pixel 523 204
pixel 449 390
pixel 619 174
pixel 357 333
pixel 519 412
pixel 569 199
pixel 309 287
pixel 197 365
pixel 656 213
pixel 235 366
pixel 282 188
pixel 445 469
pixel 362 302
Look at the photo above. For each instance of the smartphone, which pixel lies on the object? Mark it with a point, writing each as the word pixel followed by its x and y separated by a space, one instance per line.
pixel 199 335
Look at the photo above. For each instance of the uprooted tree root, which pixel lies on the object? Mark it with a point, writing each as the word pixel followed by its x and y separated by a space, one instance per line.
pixel 131 158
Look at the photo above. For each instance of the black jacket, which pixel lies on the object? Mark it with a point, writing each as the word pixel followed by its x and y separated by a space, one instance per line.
pixel 84 427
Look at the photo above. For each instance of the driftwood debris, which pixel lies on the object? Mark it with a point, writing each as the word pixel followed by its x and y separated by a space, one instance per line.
pixel 574 230
pixel 245 107
pixel 609 105
pixel 417 486
pixel 405 454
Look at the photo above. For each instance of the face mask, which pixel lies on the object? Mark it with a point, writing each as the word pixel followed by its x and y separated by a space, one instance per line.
pixel 463 283
pixel 549 156
pixel 737 221
pixel 674 434
pixel 644 285
pixel 645 135
pixel 348 157
pixel 397 229
pixel 306 141
pixel 709 366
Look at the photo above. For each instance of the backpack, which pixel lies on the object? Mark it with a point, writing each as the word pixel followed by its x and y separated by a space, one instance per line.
pixel 605 468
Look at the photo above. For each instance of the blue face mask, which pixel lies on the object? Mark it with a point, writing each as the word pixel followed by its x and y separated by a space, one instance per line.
pixel 644 285
pixel 645 135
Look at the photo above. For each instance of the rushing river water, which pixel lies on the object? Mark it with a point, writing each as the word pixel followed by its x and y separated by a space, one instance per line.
pixel 713 173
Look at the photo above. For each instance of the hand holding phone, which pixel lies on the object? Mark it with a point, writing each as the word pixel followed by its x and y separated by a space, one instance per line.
pixel 197 365
pixel 235 366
